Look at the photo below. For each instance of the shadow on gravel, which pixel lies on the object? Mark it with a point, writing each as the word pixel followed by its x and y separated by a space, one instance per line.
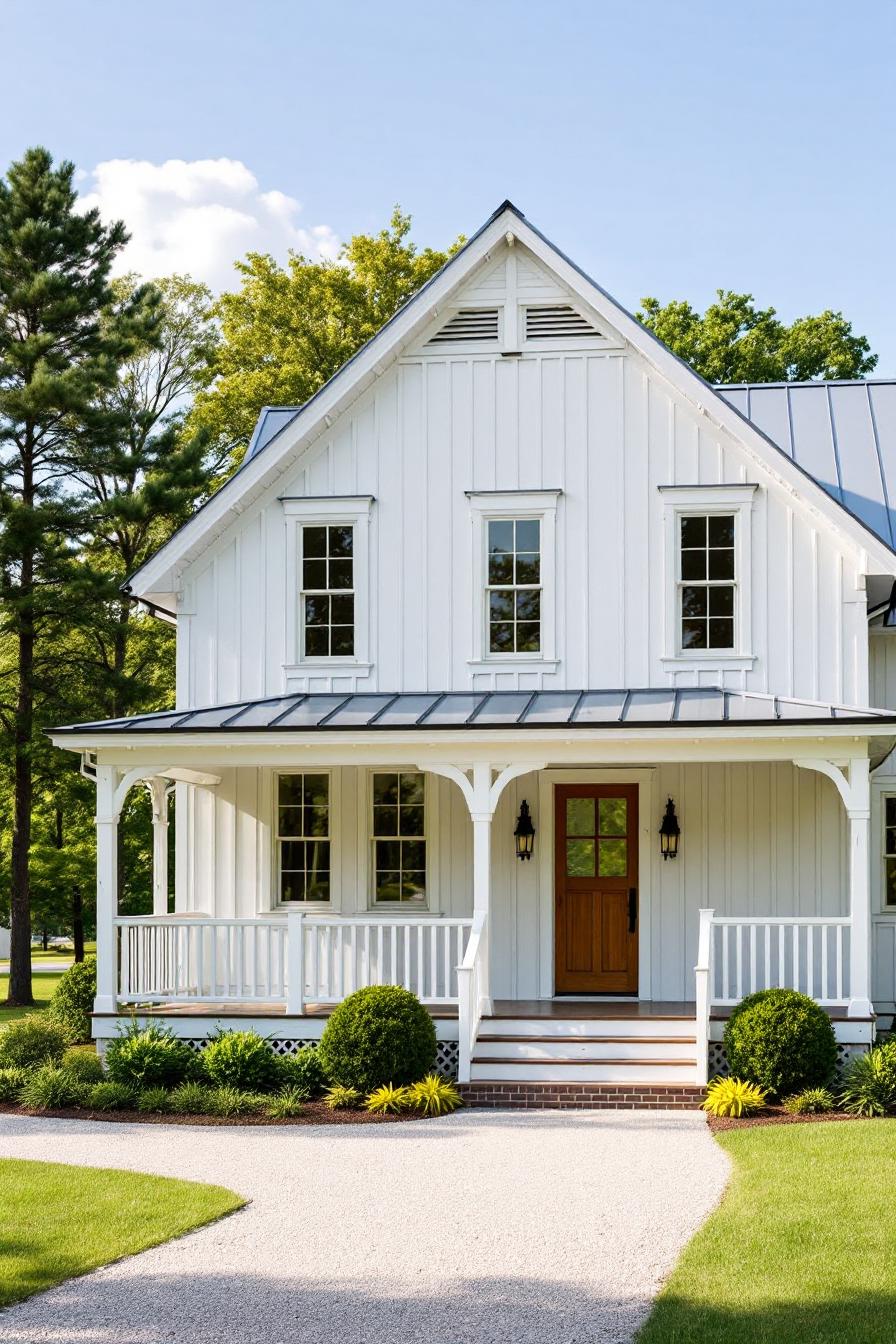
pixel 245 1309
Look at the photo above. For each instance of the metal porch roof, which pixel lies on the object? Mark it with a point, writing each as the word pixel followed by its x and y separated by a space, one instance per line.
pixel 702 707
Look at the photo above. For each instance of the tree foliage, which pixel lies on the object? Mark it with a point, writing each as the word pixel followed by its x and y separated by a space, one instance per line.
pixel 288 329
pixel 733 341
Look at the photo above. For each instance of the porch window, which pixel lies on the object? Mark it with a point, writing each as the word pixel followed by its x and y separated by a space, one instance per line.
pixel 303 837
pixel 890 851
pixel 707 580
pixel 513 590
pixel 399 844
pixel 328 591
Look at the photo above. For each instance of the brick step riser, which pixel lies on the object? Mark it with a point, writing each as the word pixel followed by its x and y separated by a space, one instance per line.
pixel 594 1096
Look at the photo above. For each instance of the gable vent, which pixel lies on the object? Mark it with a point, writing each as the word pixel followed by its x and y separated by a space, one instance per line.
pixel 556 321
pixel 471 324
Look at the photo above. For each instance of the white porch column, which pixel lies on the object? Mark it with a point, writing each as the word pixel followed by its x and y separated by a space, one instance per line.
pixel 481 813
pixel 106 889
pixel 859 814
pixel 158 792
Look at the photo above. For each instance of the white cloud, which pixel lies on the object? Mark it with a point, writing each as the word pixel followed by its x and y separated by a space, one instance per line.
pixel 199 217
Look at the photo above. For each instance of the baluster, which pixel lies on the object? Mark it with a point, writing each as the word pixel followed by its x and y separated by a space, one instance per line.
pixel 768 957
pixel 739 932
pixel 196 933
pixel 825 975
pixel 379 955
pixel 393 941
pixel 365 968
pixel 446 954
pixel 810 961
pixel 838 953
pixel 753 984
pixel 340 964
pixel 725 994
pixel 353 963
pixel 780 956
pixel 796 956
pixel 406 969
pixel 421 970
pixel 433 963
pixel 314 933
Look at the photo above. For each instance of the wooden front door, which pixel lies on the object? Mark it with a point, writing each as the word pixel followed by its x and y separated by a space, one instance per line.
pixel 596 889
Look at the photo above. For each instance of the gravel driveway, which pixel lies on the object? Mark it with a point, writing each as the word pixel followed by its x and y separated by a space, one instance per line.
pixel 514 1228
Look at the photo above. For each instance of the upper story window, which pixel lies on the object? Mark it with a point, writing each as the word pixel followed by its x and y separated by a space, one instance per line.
pixel 328 591
pixel 514 585
pixel 889 856
pixel 514 577
pixel 709 598
pixel 328 585
pixel 303 837
pixel 707 580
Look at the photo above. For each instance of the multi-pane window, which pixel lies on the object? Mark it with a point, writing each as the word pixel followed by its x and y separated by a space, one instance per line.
pixel 513 590
pixel 303 837
pixel 328 591
pixel 890 851
pixel 707 580
pixel 399 846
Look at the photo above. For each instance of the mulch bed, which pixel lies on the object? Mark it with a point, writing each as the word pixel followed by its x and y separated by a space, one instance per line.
pixel 315 1113
pixel 774 1115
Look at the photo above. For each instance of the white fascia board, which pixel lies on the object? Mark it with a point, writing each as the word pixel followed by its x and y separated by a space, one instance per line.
pixel 704 399
pixel 257 473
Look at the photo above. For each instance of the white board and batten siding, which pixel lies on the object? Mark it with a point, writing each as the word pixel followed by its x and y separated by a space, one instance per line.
pixel 595 422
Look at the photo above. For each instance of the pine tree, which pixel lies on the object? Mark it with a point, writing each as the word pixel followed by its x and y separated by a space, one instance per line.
pixel 62 339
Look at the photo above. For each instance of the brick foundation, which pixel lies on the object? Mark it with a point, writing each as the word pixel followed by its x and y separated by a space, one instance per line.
pixel 583 1096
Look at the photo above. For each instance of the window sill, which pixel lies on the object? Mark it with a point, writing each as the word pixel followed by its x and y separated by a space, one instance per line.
pixel 517 661
pixel 320 665
pixel 735 662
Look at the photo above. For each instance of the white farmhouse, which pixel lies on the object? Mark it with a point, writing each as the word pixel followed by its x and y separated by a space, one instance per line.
pixel 517 566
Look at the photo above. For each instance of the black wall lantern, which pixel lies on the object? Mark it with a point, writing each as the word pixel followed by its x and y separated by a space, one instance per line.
pixel 524 832
pixel 669 833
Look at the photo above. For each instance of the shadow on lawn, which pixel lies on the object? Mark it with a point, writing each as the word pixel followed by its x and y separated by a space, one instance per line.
pixel 859 1319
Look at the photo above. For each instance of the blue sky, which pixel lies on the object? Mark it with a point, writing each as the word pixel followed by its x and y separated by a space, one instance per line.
pixel 669 148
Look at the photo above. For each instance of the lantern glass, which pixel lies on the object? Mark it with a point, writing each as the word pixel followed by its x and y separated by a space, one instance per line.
pixel 524 833
pixel 669 832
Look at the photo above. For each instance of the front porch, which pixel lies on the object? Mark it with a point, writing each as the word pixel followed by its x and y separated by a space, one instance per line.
pixel 771 886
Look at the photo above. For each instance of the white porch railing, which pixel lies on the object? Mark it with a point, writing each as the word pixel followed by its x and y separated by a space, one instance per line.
pixel 739 955
pixel 294 960
pixel 472 993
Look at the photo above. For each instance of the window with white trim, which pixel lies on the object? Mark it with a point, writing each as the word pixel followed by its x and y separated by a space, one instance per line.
pixel 513 590
pixel 399 838
pixel 303 838
pixel 706 580
pixel 328 590
pixel 889 852
pixel 709 597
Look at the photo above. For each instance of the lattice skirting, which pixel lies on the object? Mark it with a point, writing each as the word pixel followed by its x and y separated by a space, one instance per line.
pixel 447 1052
pixel 718 1064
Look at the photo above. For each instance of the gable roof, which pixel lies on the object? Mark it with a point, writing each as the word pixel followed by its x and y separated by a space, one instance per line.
pixel 282 431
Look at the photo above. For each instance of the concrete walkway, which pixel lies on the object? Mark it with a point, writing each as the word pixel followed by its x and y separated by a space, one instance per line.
pixel 512 1228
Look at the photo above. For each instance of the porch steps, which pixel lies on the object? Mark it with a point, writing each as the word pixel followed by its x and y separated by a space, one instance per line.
pixel 609 1049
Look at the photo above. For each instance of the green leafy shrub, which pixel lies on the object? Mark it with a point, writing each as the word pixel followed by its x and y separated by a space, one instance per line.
pixel 83 1063
pixel 110 1097
pixel 285 1104
pixel 434 1095
pixel 51 1088
pixel 378 1035
pixel 812 1101
pixel 387 1100
pixel 781 1040
pixel 12 1080
pixel 32 1041
pixel 303 1072
pixel 72 1001
pixel 869 1083
pixel 190 1099
pixel 339 1098
pixel 242 1060
pixel 150 1056
pixel 734 1097
pixel 154 1101
pixel 230 1101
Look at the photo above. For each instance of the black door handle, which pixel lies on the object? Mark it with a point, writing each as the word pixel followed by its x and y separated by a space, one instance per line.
pixel 632 909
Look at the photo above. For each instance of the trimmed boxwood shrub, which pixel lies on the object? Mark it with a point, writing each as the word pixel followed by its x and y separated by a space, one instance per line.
pixel 150 1056
pixel 781 1040
pixel 32 1041
pixel 84 1064
pixel 241 1060
pixel 378 1035
pixel 72 1001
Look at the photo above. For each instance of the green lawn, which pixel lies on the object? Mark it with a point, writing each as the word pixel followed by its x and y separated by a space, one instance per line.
pixel 58 1221
pixel 43 984
pixel 801 1248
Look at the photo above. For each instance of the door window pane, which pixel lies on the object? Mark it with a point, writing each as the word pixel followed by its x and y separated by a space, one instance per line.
pixel 580 858
pixel 580 816
pixel 613 816
pixel 613 858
